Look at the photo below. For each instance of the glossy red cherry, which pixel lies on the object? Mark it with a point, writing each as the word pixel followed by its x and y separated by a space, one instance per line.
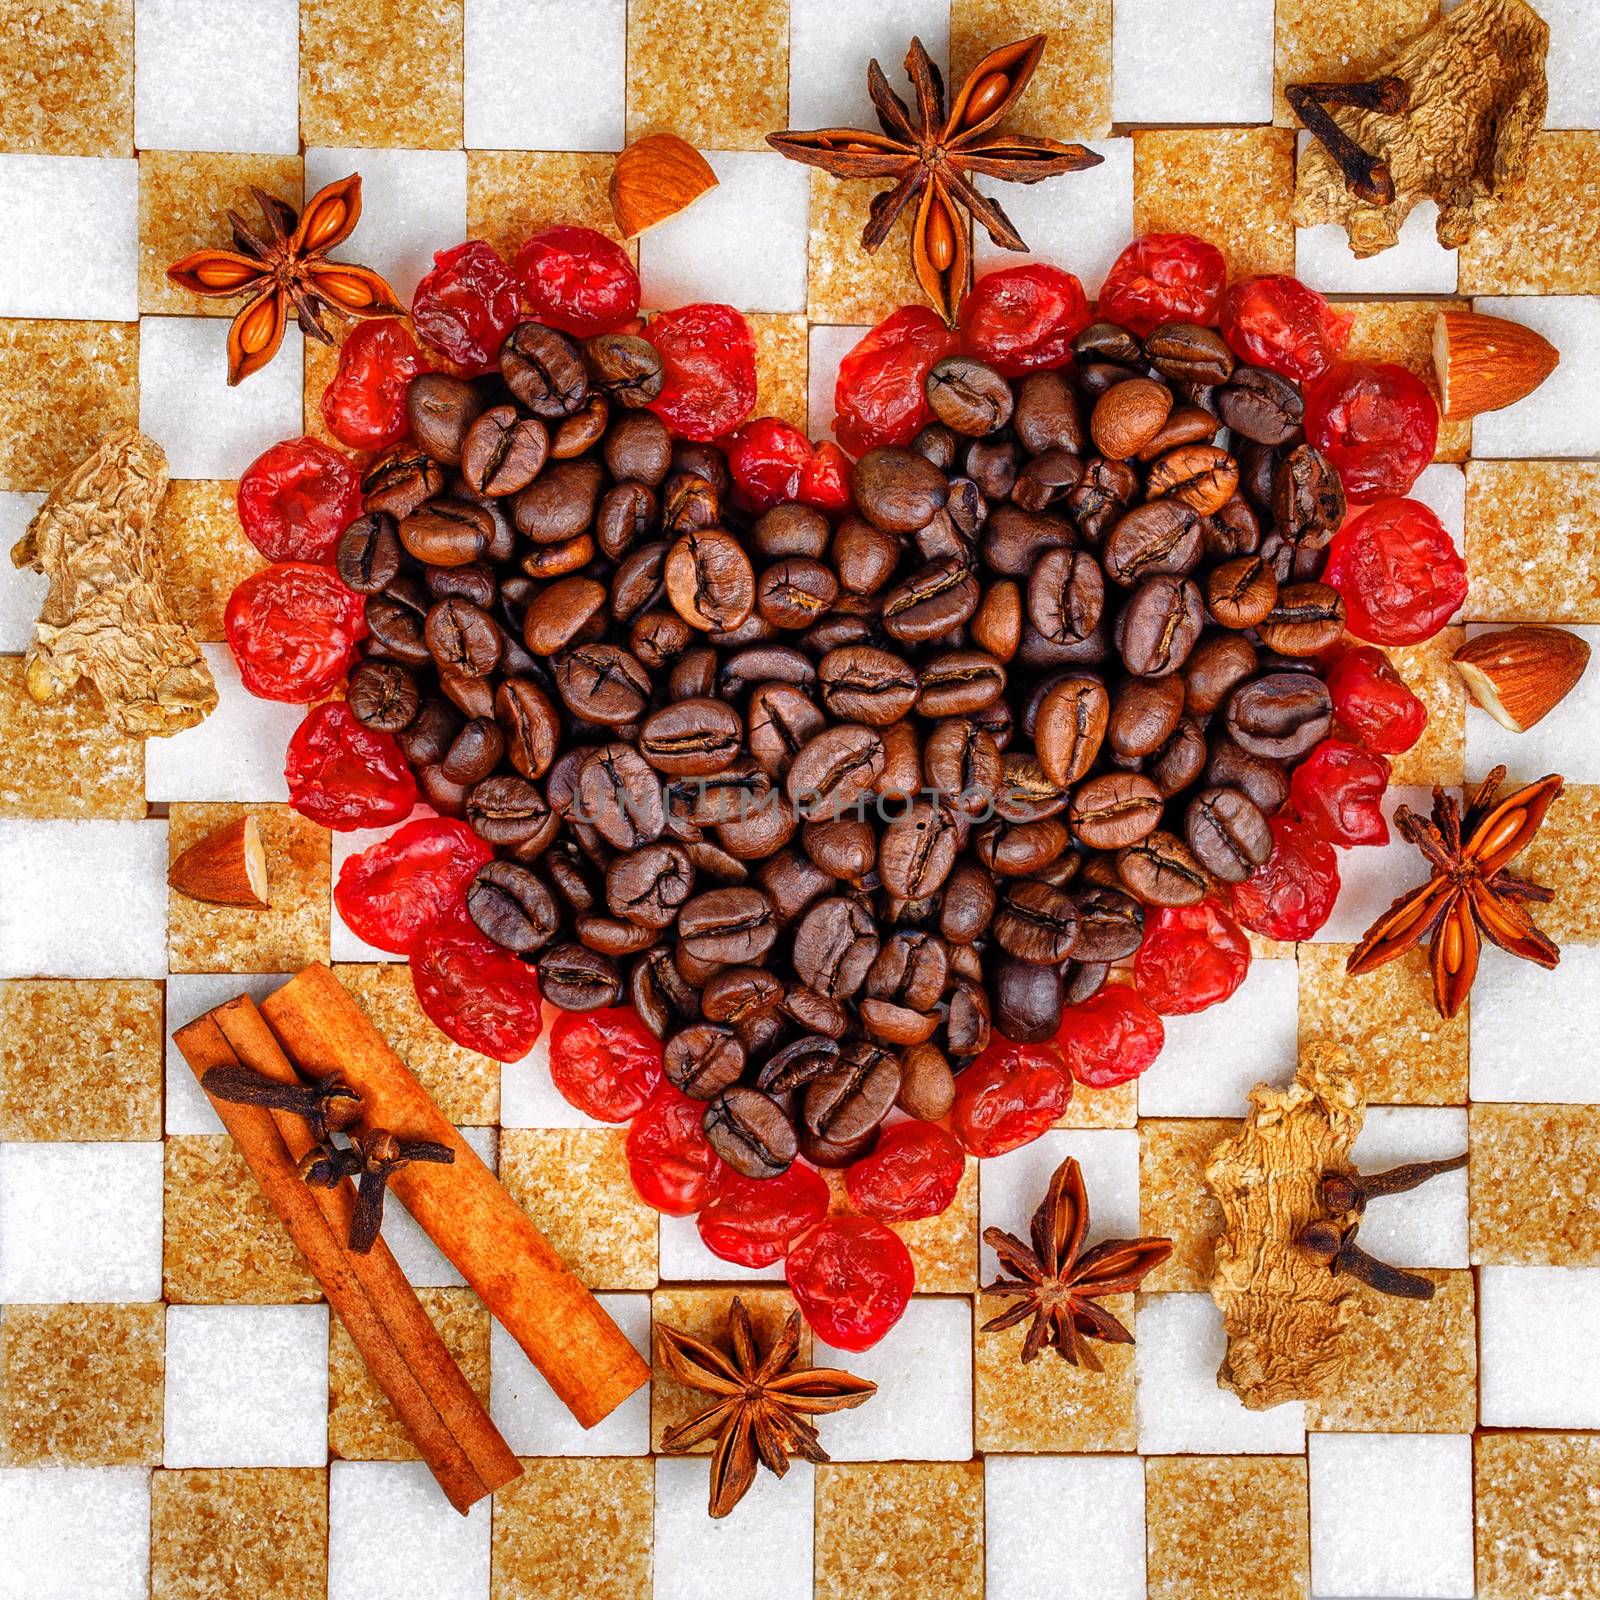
pixel 673 1167
pixel 1376 423
pixel 753 1221
pixel 364 404
pixel 345 775
pixel 296 498
pixel 293 629
pixel 772 462
pixel 393 889
pixel 880 397
pixel 466 305
pixel 1372 703
pixel 1009 1096
pixel 1164 277
pixel 1110 1038
pixel 1338 790
pixel 1192 957
pixel 577 280
pixel 1398 571
pixel 913 1171
pixel 1024 318
pixel 1291 894
pixel 1278 323
pixel 606 1062
pixel 853 1279
pixel 709 359
pixel 473 991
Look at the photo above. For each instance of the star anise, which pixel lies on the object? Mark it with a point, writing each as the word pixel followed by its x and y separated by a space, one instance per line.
pixel 1059 1286
pixel 1470 893
pixel 283 267
pixel 762 1409
pixel 933 156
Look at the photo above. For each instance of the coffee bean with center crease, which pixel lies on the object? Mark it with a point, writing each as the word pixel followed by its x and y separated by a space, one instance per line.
pixel 1241 592
pixel 1160 625
pixel 703 1060
pixel 861 683
pixel 794 592
pixel 1159 536
pixel 1308 502
pixel 475 582
pixel 709 580
pixel 447 533
pixel 1110 925
pixel 1144 712
pixel 732 926
pixel 854 1096
pixel 624 368
pixel 1066 595
pixel 1180 761
pixel 601 683
pixel 692 738
pixel 382 695
pixel 647 886
pixel 835 769
pixel 739 994
pixel 513 907
pixel 932 602
pixel 1258 404
pixel 659 994
pixel 967 395
pixel 503 452
pixel 959 683
pixel 1281 715
pixel 620 797
pixel 961 763
pixel 1228 832
pixel 1186 351
pixel 1020 849
pixel 780 721
pixel 544 370
pixel 440 409
pixel 367 556
pixel 834 946
pixel 1162 871
pixel 1306 619
pixel 400 480
pixel 1114 810
pixel 512 812
pixel 1199 476
pixel 626 513
pixel 575 978
pixel 897 490
pixel 1070 727
pixel 462 638
pixel 918 849
pixel 474 752
pixel 1036 922
pixel 751 1132
pixel 530 724
pixel 560 503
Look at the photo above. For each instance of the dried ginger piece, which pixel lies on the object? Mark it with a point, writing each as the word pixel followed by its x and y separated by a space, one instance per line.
pixel 1284 1313
pixel 1478 93
pixel 107 615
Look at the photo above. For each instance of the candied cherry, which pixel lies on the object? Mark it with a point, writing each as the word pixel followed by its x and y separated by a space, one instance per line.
pixel 296 498
pixel 1009 1096
pixel 1398 571
pixel 1337 789
pixel 293 629
pixel 364 404
pixel 914 1171
pixel 771 462
pixel 1376 423
pixel 466 305
pixel 1278 323
pixel 1110 1038
pixel 1192 957
pixel 1372 703
pixel 345 775
pixel 753 1221
pixel 708 359
pixel 853 1278
pixel 606 1063
pixel 577 280
pixel 1164 277
pixel 672 1165
pixel 1024 318
pixel 473 991
pixel 880 397
pixel 390 892
pixel 1291 894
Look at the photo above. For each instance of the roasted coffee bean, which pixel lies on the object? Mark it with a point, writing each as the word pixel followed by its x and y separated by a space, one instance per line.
pixel 1258 472
pixel 1101 495
pixel 475 582
pixel 1082 980
pixel 1308 503
pixel 844 847
pixel 897 490
pixel 798 1063
pixel 581 431
pixel 1046 480
pixel 1070 728
pixel 1180 761
pixel 938 444
pixel 1216 666
pixel 762 828
pixel 1231 531
pixel 471 696
pixel 1185 351
pixel 694 674
pixel 794 592
pixel 766 663
pixel 1281 715
pixel 462 638
pixel 1066 595
pixel 689 502
pixel 861 683
pixel 959 683
pixel 1014 540
pixel 400 480
pixel 562 613
pixel 1263 780
pixel 1047 415
pixel 1127 416
pixel 814 1012
pixel 1185 425
pixel 447 798
pixel 1228 832
pixel 962 765
pixel 1258 404
pixel 751 1132
pixel 601 683
pixel 1161 870
pixel 1241 592
pixel 791 530
pixel 1110 926
pixel 619 797
pixel 895 1026
pixel 709 579
pixel 530 724
pixel 625 515
pixel 733 926
pixel 648 885
pixel 740 993
pixel 918 849
pixel 1108 341
pixel 624 368
pixel 835 769
pixel 909 970
pixel 1306 619
pixel 902 762
pixel 510 811
pixel 439 410
pixel 559 504
pixel 503 452
pixel 1159 626
pixel 692 738
pixel 1036 922
pixel 932 602
pixel 638 449
pixel 1026 793
pixel 638 583
pixel 659 994
pixel 992 464
pixel 1199 476
pixel 1020 849
pixel 548 561
pixel 367 556
pixel 544 370
pixel 703 1060
pixel 927 1086
pixel 382 695
pixel 1027 1001
pixel 1161 536
pixel 780 721
pixel 834 945
pixel 474 752
pixel 446 533
pixel 575 978
pixel 1144 711
pixel 428 735
pixel 966 1023
pixel 513 907
pixel 968 396
pixel 853 1096
pixel 1115 810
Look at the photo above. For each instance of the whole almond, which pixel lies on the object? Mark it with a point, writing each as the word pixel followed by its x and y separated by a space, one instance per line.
pixel 226 868
pixel 655 178
pixel 1486 363
pixel 1128 416
pixel 1519 675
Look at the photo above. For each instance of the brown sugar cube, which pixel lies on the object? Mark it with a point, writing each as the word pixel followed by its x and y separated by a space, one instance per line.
pixel 1535 1497
pixel 1257 1548
pixel 886 1529
pixel 1232 186
pixel 290 933
pixel 1116 1107
pixel 1439 756
pixel 1565 856
pixel 381 72
pixel 570 1526
pixel 574 1184
pixel 1401 331
pixel 81 1386
pixel 1348 42
pixel 222 1241
pixel 703 1315
pixel 67 86
pixel 782 358
pixel 319 363
pixel 514 194
pixel 1533 541
pixel 65 759
pixel 1413 1364
pixel 1534 1185
pixel 1545 239
pixel 80 1058
pixel 843 283
pixel 944 1248
pixel 463 1084
pixel 715 73
pixel 218 1534
pixel 1048 1405
pixel 206 551
pixel 362 1424
pixel 1070 96
pixel 1407 1052
pixel 1173 1200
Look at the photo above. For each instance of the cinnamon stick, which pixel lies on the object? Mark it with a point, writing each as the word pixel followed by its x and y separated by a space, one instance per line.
pixel 537 1299
pixel 410 1362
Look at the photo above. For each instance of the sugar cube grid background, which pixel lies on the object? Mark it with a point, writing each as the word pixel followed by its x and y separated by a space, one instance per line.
pixel 177 1416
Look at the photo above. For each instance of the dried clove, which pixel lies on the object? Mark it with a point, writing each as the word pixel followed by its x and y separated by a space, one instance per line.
pixel 328 1103
pixel 326 1166
pixel 382 1155
pixel 1366 176
pixel 1350 1191
pixel 1336 1248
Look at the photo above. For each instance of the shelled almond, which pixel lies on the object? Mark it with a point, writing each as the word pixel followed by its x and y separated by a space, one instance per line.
pixel 1487 363
pixel 1519 675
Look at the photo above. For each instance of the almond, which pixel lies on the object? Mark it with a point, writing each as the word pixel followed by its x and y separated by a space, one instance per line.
pixel 1518 675
pixel 655 178
pixel 1486 363
pixel 226 868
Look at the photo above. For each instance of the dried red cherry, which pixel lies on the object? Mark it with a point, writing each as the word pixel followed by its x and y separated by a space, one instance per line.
pixel 1398 571
pixel 1291 894
pixel 673 1167
pixel 577 280
pixel 913 1171
pixel 293 630
pixel 473 991
pixel 1338 790
pixel 1009 1096
pixel 466 305
pixel 1164 277
pixel 1376 423
pixel 1192 957
pixel 1024 318
pixel 296 498
pixel 708 357
pixel 390 892
pixel 364 404
pixel 753 1221
pixel 606 1063
pixel 881 397
pixel 345 775
pixel 1110 1038
pixel 771 462
pixel 853 1279
pixel 1372 703
pixel 1278 323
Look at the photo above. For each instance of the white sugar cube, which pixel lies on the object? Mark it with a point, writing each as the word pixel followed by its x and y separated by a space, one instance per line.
pixel 1424 1227
pixel 765 1546
pixel 534 1420
pixel 191 995
pixel 923 1369
pixel 1063 1528
pixel 1181 1408
pixel 393 1536
pixel 685 1259
pixel 1561 742
pixel 1372 877
pixel 1536 1351
pixel 21 593
pixel 1213 1058
pixel 207 429
pixel 828 348
pixel 78 209
pixel 546 78
pixel 1574 49
pixel 1514 1002
pixel 80 1222
pixel 830 43
pixel 1201 61
pixel 84 899
pixel 1559 418
pixel 528 1097
pixel 1391 1514
pixel 420 1259
pixel 74 1532
pixel 247 1386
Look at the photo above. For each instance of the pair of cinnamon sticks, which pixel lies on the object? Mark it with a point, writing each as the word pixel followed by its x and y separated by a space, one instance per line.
pixel 313 1023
